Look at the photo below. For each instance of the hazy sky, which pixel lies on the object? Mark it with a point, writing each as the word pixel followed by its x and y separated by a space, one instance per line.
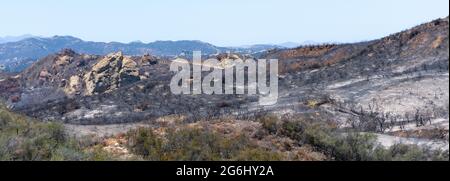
pixel 221 22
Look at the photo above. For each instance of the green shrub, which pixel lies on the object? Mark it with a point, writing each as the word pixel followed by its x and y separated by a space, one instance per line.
pixel 292 129
pixel 22 138
pixel 146 143
pixel 258 154
pixel 352 146
pixel 401 152
pixel 270 123
pixel 66 153
pixel 192 144
pixel 98 154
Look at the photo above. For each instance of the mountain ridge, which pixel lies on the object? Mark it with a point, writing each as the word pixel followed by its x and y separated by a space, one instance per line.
pixel 16 56
pixel 7 39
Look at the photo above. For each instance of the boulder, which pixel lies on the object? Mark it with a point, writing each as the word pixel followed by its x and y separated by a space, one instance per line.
pixel 44 75
pixel 63 60
pixel 110 73
pixel 74 85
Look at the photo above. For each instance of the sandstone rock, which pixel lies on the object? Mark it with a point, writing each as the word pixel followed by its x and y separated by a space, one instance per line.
pixel 44 75
pixel 148 59
pixel 63 60
pixel 110 73
pixel 129 72
pixel 67 52
pixel 128 63
pixel 107 62
pixel 74 86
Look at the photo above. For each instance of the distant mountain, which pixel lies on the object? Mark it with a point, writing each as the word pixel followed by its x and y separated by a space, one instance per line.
pixel 252 49
pixel 304 43
pixel 15 56
pixel 263 47
pixel 39 47
pixel 7 39
pixel 289 44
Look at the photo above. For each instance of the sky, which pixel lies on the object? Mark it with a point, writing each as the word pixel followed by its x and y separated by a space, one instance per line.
pixel 220 22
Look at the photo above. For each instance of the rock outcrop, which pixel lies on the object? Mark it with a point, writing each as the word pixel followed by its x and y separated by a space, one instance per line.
pixel 73 86
pixel 110 73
